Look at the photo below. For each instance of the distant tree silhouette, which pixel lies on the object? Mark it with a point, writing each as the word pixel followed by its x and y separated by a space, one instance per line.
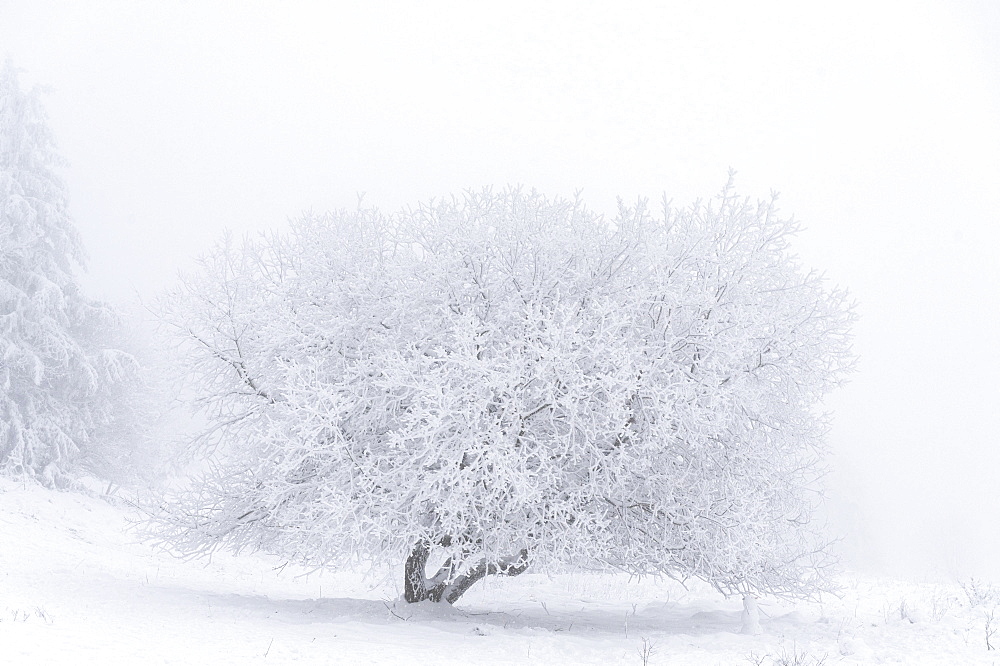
pixel 65 389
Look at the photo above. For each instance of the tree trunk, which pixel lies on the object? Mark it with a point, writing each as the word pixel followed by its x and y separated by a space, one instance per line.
pixel 447 584
pixel 415 574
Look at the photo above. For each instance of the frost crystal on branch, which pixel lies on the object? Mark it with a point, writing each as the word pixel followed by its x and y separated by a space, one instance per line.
pixel 510 380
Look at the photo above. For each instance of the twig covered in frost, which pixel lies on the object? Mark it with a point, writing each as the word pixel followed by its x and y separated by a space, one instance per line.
pixel 646 650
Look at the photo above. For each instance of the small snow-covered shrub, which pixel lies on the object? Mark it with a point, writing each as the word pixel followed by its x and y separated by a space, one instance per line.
pixel 980 593
pixel 990 627
pixel 942 601
pixel 786 658
pixel 646 650
pixel 16 615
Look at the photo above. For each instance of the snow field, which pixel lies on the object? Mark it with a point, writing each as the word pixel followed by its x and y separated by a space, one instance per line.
pixel 75 588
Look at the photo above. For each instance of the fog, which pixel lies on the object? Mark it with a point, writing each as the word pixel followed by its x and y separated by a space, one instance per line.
pixel 879 123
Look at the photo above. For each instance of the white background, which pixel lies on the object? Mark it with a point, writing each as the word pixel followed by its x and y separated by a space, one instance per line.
pixel 879 122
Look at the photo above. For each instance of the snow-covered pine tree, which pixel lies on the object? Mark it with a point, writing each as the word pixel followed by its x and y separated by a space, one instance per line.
pixel 501 378
pixel 60 380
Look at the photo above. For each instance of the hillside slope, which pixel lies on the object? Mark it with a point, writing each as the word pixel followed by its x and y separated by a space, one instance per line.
pixel 76 588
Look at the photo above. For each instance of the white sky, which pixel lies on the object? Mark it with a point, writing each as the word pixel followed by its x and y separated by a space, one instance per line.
pixel 878 121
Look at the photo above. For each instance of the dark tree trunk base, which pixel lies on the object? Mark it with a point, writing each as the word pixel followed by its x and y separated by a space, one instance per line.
pixel 445 585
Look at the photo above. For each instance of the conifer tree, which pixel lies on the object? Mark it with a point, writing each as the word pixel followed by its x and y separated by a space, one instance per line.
pixel 61 382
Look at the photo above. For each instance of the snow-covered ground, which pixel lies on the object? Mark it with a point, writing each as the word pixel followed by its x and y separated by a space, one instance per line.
pixel 75 588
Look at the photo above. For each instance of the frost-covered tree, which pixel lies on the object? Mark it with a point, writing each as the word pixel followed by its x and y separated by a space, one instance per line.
pixel 502 379
pixel 65 391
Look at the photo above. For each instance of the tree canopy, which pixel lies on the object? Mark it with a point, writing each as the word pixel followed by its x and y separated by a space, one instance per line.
pixel 502 379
